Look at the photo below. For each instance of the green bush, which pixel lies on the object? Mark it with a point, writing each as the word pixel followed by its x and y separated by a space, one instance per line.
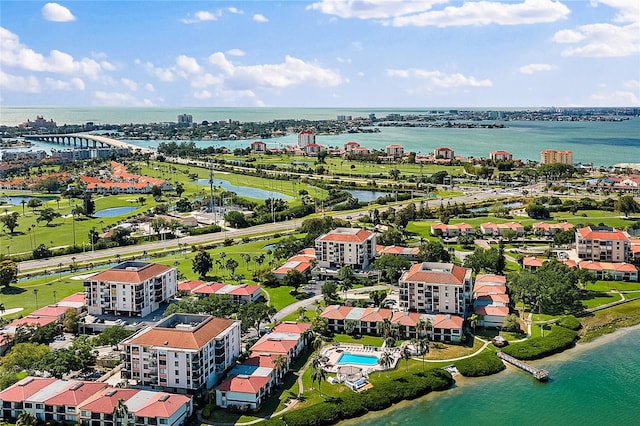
pixel 557 340
pixel 570 322
pixel 206 411
pixel 484 364
pixel 204 230
pixel 374 399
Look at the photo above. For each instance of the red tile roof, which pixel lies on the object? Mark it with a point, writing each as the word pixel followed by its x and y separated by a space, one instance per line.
pixel 179 338
pixel 420 273
pixel 448 322
pixel 190 285
pixel 491 278
pixel 244 384
pixel 163 406
pixel 347 235
pixel 336 312
pixel 292 327
pixel 245 290
pixel 484 290
pixel 607 266
pixel 51 311
pixel 499 311
pixel 407 319
pixel 588 233
pixel 25 388
pixel 533 262
pixel 78 297
pixel 262 360
pixel 76 393
pixel 132 276
pixel 273 346
pixel 104 402
pixel 34 321
pixel 376 314
pixel 209 288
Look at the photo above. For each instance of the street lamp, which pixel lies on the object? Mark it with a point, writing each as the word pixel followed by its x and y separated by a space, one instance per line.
pixel 35 293
pixel 54 297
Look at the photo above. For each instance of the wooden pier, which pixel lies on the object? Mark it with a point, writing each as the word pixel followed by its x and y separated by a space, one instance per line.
pixel 538 373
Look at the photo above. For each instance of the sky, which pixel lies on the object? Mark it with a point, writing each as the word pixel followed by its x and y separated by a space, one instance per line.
pixel 325 53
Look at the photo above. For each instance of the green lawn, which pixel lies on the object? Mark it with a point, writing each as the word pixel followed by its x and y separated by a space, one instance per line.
pixel 363 340
pixel 595 299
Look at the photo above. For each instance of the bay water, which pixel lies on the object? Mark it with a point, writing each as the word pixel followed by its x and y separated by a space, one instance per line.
pixel 593 384
pixel 603 143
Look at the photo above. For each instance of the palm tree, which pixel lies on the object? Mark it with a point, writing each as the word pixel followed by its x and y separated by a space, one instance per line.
pixel 302 313
pixel 423 326
pixel 120 412
pixel 406 355
pixel 26 419
pixel 384 327
pixel 423 347
pixel 318 374
pixel 474 319
pixel 279 364
pixel 317 343
pixel 385 360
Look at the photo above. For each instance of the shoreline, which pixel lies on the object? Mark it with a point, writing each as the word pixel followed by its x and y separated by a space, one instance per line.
pixel 460 382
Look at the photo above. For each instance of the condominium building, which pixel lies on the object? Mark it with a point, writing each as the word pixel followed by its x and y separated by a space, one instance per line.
pixel 553 156
pixel 346 246
pixel 91 403
pixel 395 150
pixel 602 243
pixel 130 288
pixel 182 353
pixel 446 153
pixel 500 156
pixel 436 288
pixel 305 138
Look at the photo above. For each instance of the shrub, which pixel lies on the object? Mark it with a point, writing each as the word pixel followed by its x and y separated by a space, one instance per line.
pixel 484 364
pixel 374 399
pixel 558 339
pixel 204 230
pixel 570 322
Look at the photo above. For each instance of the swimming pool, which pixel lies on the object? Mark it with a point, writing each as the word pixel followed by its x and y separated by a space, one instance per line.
pixel 349 358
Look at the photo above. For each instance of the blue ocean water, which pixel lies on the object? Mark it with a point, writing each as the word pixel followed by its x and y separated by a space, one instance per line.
pixel 595 384
pixel 601 143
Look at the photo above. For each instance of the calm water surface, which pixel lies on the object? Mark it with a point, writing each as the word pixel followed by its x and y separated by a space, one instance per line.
pixel 595 384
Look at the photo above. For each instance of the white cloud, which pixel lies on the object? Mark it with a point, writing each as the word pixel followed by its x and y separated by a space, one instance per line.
pixel 235 52
pixel 605 40
pixel 119 99
pixel 343 60
pixel 149 87
pixel 129 84
pixel 162 74
pixel 16 55
pixel 440 79
pixel 201 16
pixel 291 72
pixel 202 95
pixel 74 83
pixel 534 68
pixel 260 18
pixel 235 10
pixel 400 13
pixel 206 80
pixel 18 83
pixel 188 64
pixel 615 98
pixel 57 13
pixel 372 9
pixel 632 84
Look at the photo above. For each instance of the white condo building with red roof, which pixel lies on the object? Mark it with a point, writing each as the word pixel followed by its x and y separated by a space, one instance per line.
pixel 91 403
pixel 306 138
pixel 182 353
pixel 346 246
pixel 602 243
pixel 130 288
pixel 442 288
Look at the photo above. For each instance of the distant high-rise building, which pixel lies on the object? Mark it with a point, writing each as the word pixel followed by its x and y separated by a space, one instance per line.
pixel 554 156
pixel 185 119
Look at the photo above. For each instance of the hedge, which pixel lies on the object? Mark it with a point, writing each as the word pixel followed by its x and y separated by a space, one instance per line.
pixel 484 364
pixel 570 322
pixel 557 340
pixel 377 398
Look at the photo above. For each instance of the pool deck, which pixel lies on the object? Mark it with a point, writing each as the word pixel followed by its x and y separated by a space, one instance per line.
pixel 331 354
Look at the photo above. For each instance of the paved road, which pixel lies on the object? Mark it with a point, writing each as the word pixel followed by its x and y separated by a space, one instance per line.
pixel 41 264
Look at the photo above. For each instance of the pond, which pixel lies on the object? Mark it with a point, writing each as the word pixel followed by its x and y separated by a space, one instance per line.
pixel 115 211
pixel 366 196
pixel 244 191
pixel 17 200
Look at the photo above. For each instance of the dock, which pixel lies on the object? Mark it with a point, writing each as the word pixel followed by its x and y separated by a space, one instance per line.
pixel 538 373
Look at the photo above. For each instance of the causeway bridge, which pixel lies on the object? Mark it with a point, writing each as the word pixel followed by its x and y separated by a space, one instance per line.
pixel 78 140
pixel 538 373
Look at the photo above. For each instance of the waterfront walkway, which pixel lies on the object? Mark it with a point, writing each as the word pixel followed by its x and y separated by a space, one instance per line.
pixel 538 373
